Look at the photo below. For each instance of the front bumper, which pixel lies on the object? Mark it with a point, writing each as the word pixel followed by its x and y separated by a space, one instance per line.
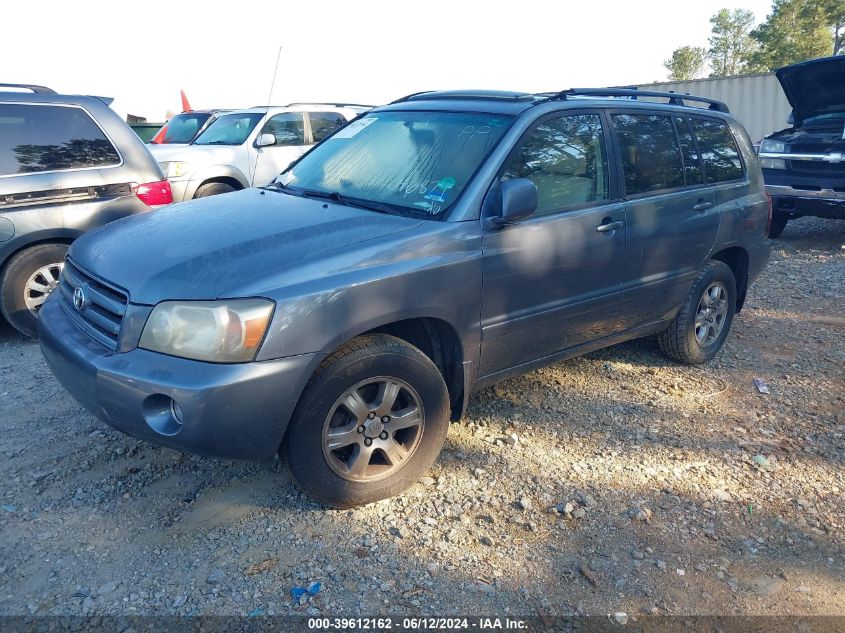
pixel 182 190
pixel 797 195
pixel 236 411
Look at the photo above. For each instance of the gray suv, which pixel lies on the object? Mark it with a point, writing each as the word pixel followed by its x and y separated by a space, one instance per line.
pixel 343 315
pixel 68 164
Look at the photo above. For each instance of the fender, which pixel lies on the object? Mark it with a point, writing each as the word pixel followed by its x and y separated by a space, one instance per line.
pixel 214 172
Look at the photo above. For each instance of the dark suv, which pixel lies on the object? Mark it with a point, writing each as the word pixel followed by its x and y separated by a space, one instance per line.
pixel 804 165
pixel 68 164
pixel 343 314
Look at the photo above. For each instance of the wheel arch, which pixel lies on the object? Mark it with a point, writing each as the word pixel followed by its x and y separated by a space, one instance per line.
pixel 736 258
pixel 63 236
pixel 440 341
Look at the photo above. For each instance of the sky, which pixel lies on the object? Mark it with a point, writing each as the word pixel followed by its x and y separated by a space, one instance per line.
pixel 224 54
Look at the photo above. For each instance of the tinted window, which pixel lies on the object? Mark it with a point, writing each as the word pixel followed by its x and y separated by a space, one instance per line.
pixel 45 138
pixel 718 148
pixel 651 157
pixel 692 160
pixel 288 128
pixel 324 123
pixel 566 159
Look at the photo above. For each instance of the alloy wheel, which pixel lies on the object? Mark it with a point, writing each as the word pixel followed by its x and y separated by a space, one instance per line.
pixel 711 314
pixel 373 429
pixel 40 284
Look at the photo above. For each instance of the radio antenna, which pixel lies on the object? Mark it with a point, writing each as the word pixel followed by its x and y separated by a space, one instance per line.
pixel 269 100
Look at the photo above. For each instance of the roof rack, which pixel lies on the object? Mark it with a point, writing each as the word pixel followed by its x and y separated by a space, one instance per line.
pixel 31 87
pixel 675 98
pixel 334 105
pixel 468 95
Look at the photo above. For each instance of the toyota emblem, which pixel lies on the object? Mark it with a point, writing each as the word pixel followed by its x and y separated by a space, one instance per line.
pixel 79 299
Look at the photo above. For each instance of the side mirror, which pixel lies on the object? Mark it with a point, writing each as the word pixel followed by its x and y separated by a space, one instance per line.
pixel 519 200
pixel 790 120
pixel 265 140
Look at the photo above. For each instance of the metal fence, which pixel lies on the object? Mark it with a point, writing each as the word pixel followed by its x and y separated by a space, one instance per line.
pixel 756 100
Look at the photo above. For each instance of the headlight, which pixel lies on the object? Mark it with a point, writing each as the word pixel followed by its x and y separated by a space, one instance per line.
pixel 175 169
pixel 773 147
pixel 772 163
pixel 227 331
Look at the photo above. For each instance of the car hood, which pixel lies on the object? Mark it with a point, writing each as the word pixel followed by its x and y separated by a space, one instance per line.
pixel 208 248
pixel 814 87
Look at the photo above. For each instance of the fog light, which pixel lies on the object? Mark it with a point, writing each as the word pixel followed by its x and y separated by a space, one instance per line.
pixel 162 414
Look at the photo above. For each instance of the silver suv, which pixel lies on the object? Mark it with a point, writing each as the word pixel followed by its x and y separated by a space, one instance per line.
pixel 68 164
pixel 248 148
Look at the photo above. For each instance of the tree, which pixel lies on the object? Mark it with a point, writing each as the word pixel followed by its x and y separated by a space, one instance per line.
pixel 835 12
pixel 686 62
pixel 731 46
pixel 795 31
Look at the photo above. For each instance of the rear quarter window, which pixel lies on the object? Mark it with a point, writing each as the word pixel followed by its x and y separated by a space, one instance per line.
pixel 718 148
pixel 36 138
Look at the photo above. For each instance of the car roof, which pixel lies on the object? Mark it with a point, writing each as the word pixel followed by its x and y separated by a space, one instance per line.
pixel 52 97
pixel 514 103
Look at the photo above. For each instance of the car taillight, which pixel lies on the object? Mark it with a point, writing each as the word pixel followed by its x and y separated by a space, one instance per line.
pixel 769 223
pixel 154 194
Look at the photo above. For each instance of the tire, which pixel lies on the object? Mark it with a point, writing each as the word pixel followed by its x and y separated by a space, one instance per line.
pixel 30 269
pixel 328 475
pixel 680 340
pixel 779 221
pixel 213 189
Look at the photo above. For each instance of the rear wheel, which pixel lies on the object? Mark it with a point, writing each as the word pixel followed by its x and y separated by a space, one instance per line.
pixel 213 189
pixel 28 279
pixel 371 421
pixel 779 221
pixel 699 330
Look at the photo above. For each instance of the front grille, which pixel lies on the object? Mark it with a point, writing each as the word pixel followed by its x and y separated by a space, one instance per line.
pixel 817 166
pixel 102 313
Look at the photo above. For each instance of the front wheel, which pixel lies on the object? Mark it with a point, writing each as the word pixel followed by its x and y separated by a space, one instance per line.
pixel 699 330
pixel 213 189
pixel 28 279
pixel 371 421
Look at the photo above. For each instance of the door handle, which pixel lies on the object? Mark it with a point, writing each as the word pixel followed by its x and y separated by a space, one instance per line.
pixel 607 226
pixel 702 205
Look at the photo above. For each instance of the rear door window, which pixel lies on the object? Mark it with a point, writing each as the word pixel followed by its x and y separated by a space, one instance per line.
pixel 693 173
pixel 651 156
pixel 324 123
pixel 718 148
pixel 37 138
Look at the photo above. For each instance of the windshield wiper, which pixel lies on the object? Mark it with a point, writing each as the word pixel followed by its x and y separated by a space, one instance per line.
pixel 353 202
pixel 278 185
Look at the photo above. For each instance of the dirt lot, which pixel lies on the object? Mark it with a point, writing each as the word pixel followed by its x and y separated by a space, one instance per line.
pixel 633 485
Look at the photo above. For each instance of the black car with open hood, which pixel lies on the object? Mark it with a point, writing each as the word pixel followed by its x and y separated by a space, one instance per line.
pixel 804 165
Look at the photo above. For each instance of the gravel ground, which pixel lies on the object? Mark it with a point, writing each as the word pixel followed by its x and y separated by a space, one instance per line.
pixel 615 482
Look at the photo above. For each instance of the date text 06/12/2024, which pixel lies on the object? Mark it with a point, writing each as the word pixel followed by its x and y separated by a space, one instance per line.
pixel 416 624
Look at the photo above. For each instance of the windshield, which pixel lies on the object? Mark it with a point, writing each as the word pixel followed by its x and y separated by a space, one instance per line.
pixel 229 129
pixel 184 127
pixel 410 163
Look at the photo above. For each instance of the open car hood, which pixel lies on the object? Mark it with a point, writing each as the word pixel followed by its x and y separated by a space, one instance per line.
pixel 814 87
